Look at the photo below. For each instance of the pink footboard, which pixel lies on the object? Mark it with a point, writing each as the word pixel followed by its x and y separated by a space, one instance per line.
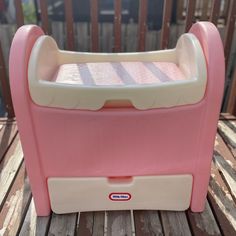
pixel 117 142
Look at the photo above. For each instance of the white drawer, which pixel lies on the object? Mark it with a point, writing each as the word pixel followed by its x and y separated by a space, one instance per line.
pixel 167 192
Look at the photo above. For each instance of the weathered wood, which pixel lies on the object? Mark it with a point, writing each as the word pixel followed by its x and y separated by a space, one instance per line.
pixel 44 16
pixel 166 23
pixel 180 9
pixel 228 173
pixel 203 223
pixel 91 224
pixel 227 116
pixel 222 203
pixel 19 13
pixel 34 225
pixel 58 33
pixel 118 223
pixel 131 37
pixel 215 11
pixel 147 223
pixel 63 225
pixel 117 25
pixel 229 30
pixel 70 41
pixel 5 86
pixel 106 44
pixel 227 133
pixel 142 24
pixel 82 36
pixel 15 208
pixel 232 125
pixel 221 148
pixel 85 225
pixel 7 134
pixel 204 10
pixel 231 107
pixel 190 14
pixel 175 223
pixel 94 25
pixel 9 168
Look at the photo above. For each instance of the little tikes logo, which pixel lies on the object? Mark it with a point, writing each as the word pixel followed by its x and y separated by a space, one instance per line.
pixel 119 196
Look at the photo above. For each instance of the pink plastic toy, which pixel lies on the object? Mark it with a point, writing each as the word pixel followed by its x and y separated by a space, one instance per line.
pixel 117 131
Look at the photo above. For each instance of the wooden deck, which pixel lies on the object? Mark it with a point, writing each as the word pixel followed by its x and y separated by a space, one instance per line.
pixel 18 217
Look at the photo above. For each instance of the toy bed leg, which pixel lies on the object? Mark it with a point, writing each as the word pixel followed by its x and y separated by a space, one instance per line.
pixel 19 57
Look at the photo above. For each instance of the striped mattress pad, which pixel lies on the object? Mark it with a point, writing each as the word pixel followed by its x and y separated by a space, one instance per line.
pixel 118 73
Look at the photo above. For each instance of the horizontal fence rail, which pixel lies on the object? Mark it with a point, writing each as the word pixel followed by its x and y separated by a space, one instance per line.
pixel 188 11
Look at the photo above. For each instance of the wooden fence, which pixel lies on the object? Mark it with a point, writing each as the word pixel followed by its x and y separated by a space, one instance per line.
pixel 221 12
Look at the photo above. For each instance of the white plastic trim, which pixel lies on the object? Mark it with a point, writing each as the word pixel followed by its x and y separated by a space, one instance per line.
pixel 167 192
pixel 46 58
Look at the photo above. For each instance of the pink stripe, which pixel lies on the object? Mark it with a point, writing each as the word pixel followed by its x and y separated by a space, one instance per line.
pixel 139 73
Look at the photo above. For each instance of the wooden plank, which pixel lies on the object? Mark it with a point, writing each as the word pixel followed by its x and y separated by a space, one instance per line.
pixel 44 16
pixel 227 116
pixel 5 86
pixel 227 133
pixel 118 223
pixel 203 223
pixel 106 42
pixel 63 225
pixel 147 223
pixel 175 223
pixel 70 40
pixel 58 33
pixel 232 124
pixel 7 134
pixel 131 37
pixel 82 36
pixel 142 24
pixel 94 25
pixel 222 203
pixel 228 173
pixel 9 168
pixel 229 30
pixel 215 11
pixel 13 212
pixel 231 107
pixel 204 10
pixel 19 13
pixel 180 9
pixel 165 31
pixel 117 25
pixel 221 148
pixel 34 225
pixel 226 10
pixel 190 19
pixel 91 224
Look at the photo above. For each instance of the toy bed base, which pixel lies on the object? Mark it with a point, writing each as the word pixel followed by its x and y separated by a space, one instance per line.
pixel 132 153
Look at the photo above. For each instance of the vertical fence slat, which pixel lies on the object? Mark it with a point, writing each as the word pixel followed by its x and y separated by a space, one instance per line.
pixel 226 10
pixel 94 25
pixel 165 31
pixel 44 16
pixel 142 24
pixel 180 7
pixel 117 25
pixel 70 41
pixel 229 30
pixel 231 107
pixel 19 13
pixel 5 87
pixel 190 14
pixel 204 10
pixel 215 11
